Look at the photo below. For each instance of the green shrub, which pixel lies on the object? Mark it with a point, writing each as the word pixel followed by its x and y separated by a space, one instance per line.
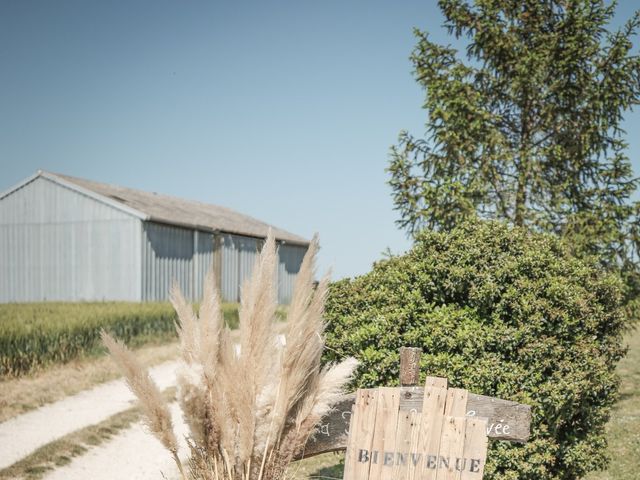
pixel 34 335
pixel 500 312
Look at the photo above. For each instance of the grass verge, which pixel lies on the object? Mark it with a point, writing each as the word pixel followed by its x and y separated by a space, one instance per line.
pixel 623 430
pixel 22 394
pixel 328 466
pixel 19 395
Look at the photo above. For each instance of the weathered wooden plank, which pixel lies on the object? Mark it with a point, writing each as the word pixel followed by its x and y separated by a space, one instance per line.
pixel 451 448
pixel 349 463
pixel 363 426
pixel 411 398
pixel 409 418
pixel 457 399
pixel 414 453
pixel 385 435
pixel 507 420
pixel 431 426
pixel 400 453
pixel 439 382
pixel 475 449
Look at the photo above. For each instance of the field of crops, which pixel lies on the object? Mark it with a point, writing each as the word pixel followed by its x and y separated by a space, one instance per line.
pixel 35 335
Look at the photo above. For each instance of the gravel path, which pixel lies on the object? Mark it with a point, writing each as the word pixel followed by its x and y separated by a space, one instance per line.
pixel 22 435
pixel 133 455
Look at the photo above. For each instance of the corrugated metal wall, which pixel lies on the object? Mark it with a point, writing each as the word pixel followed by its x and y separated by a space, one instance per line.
pixel 168 257
pixel 57 244
pixel 238 256
pixel 167 254
pixel 289 261
pixel 203 261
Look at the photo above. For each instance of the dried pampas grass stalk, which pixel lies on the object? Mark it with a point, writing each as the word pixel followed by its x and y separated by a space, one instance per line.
pixel 156 410
pixel 250 412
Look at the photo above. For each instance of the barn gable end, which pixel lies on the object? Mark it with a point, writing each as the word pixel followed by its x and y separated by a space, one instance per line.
pixel 58 244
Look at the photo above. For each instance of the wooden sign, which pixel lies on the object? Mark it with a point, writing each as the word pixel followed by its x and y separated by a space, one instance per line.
pixel 387 442
pixel 506 420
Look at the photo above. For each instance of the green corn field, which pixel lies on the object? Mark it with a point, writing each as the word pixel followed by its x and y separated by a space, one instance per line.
pixel 35 335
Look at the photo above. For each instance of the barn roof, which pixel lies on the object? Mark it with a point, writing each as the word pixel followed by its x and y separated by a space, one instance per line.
pixel 176 211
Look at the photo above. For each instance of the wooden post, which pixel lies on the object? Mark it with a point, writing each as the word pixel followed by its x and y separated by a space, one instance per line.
pixel 410 366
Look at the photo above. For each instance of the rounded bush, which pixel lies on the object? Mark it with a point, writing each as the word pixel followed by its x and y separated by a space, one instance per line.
pixel 501 312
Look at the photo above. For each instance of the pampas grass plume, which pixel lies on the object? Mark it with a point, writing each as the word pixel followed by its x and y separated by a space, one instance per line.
pixel 156 410
pixel 251 412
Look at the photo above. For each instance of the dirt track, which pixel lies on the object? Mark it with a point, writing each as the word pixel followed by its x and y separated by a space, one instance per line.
pixel 133 455
pixel 22 435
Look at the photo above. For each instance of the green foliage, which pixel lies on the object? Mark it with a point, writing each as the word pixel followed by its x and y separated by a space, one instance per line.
pixel 501 312
pixel 528 128
pixel 35 335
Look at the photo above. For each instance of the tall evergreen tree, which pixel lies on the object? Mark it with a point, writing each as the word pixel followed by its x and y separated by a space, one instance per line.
pixel 526 126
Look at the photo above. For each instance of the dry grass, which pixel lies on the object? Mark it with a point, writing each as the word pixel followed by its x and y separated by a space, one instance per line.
pixel 328 466
pixel 19 395
pixel 623 429
pixel 249 412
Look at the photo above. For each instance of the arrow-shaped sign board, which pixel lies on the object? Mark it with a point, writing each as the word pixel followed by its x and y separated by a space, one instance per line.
pixel 506 420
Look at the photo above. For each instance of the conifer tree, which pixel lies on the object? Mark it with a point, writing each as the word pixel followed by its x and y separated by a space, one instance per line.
pixel 525 126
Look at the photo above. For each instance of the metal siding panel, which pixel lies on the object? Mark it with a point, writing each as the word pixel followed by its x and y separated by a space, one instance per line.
pixel 230 279
pixel 204 261
pixel 289 261
pixel 167 258
pixel 147 266
pixel 247 255
pixel 62 245
pixel 239 255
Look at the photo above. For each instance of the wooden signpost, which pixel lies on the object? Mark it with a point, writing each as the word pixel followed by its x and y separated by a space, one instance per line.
pixel 387 442
pixel 411 432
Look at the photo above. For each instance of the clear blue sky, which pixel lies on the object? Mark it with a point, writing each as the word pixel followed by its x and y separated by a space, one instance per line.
pixel 281 110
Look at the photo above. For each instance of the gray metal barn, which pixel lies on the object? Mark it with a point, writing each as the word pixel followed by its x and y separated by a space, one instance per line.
pixel 66 238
